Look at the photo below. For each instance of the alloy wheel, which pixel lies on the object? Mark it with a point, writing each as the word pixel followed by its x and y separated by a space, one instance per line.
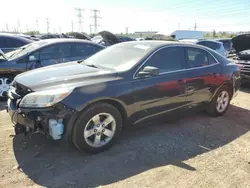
pixel 100 130
pixel 4 86
pixel 222 101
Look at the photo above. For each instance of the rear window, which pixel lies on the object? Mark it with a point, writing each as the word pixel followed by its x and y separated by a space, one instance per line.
pixel 209 44
pixel 227 45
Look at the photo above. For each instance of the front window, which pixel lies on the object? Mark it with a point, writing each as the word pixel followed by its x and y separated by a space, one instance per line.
pixel 25 49
pixel 168 59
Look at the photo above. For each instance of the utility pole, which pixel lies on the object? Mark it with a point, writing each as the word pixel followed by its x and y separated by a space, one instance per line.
pixel 7 26
pixel 96 17
pixel 48 24
pixel 18 26
pixel 195 26
pixel 90 29
pixel 126 30
pixel 80 17
pixel 37 24
pixel 72 26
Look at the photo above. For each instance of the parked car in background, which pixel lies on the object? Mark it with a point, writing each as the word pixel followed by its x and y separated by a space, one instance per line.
pixel 139 39
pixel 40 54
pixel 89 103
pixel 125 38
pixel 107 38
pixel 227 43
pixel 241 44
pixel 212 44
pixel 9 42
pixel 187 34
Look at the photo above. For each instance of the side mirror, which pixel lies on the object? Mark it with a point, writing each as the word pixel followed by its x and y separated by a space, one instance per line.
pixel 149 71
pixel 32 58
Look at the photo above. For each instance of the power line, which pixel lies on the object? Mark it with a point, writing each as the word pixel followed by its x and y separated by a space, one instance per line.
pixel 96 17
pixel 37 24
pixel 48 24
pixel 72 26
pixel 79 15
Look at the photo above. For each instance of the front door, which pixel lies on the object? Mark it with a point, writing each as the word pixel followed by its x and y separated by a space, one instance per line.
pixel 156 95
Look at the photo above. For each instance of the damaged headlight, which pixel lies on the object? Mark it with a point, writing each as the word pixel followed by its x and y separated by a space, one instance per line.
pixel 44 99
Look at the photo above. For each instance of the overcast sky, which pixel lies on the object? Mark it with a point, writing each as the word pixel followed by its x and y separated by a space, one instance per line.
pixel 116 15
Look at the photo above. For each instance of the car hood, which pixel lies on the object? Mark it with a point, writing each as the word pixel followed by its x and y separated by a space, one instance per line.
pixel 65 75
pixel 84 36
pixel 109 37
pixel 241 42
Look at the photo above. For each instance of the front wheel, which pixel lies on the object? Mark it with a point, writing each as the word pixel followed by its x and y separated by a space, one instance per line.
pixel 97 128
pixel 5 82
pixel 220 102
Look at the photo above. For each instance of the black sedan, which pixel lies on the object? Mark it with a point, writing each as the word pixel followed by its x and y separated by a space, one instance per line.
pixel 89 103
pixel 40 54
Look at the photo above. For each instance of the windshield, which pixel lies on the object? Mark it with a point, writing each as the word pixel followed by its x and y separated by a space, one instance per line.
pixel 25 49
pixel 121 57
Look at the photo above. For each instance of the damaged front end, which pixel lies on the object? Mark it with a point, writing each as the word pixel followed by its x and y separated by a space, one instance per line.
pixel 241 44
pixel 30 114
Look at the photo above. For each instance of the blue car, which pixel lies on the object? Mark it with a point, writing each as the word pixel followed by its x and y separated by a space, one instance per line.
pixel 10 42
pixel 40 54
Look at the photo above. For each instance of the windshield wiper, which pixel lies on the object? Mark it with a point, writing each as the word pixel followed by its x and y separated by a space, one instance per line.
pixel 17 51
pixel 91 66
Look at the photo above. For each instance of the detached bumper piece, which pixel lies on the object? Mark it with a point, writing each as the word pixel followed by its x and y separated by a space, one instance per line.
pixel 46 120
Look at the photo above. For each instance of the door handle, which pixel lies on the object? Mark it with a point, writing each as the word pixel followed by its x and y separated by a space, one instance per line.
pixel 190 89
pixel 181 81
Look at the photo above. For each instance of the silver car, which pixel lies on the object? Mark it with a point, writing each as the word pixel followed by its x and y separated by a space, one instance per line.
pixel 215 45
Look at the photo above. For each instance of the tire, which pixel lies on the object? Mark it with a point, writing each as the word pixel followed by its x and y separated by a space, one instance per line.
pixel 5 81
pixel 87 124
pixel 212 107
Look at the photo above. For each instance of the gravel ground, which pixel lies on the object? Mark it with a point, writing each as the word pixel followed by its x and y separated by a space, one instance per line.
pixel 195 151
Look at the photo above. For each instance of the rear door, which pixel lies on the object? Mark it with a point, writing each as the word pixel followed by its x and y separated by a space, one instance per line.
pixel 203 76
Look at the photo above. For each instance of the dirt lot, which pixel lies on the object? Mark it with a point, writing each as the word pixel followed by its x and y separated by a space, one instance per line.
pixel 196 151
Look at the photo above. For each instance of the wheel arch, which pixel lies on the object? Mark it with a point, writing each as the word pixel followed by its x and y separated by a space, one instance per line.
pixel 228 84
pixel 121 107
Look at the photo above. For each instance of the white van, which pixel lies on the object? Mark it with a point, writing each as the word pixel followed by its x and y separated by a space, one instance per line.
pixel 187 34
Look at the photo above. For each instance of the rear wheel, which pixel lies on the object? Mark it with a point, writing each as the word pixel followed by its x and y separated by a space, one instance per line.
pixel 220 102
pixel 5 82
pixel 97 128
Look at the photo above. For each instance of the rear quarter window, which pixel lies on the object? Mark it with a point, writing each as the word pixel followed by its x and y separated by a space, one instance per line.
pixel 222 60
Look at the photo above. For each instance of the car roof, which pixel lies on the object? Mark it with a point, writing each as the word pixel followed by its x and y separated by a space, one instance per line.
pixel 13 36
pixel 155 44
pixel 224 39
pixel 65 40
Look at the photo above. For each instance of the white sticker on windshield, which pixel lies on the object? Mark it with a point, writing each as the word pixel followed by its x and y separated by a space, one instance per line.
pixel 143 47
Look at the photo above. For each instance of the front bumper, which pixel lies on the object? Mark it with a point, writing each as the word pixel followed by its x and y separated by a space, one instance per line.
pixel 37 119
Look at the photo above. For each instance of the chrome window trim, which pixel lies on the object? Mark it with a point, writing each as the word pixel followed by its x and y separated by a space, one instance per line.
pixel 163 73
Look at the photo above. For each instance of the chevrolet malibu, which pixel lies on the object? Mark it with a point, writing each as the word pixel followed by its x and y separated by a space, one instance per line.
pixel 88 103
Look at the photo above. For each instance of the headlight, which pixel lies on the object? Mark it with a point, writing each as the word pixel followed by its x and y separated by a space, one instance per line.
pixel 44 99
